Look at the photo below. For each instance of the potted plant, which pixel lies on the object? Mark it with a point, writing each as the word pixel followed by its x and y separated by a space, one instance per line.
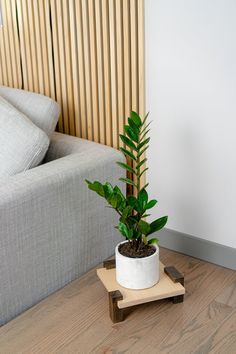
pixel 137 258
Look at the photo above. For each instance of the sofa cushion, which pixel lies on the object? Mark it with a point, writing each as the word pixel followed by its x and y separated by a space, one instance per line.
pixel 41 110
pixel 22 144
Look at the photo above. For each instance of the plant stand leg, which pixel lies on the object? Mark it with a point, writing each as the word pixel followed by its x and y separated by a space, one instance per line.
pixel 116 314
pixel 177 299
pixel 176 277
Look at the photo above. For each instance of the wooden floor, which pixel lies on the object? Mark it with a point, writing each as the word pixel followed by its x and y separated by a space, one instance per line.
pixel 76 320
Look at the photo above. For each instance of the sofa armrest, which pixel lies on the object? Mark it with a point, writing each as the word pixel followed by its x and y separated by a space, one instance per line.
pixel 52 227
pixel 62 145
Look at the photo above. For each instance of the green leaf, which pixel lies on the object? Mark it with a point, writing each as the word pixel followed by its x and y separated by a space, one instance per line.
pixel 145 128
pixel 122 202
pixel 128 153
pixel 143 136
pixel 143 143
pixel 145 215
pixel 150 204
pixel 127 212
pixel 118 191
pixel 143 196
pixel 144 227
pixel 145 118
pixel 145 186
pixel 97 187
pixel 128 181
pixel 130 234
pixel 153 241
pixel 141 163
pixel 136 119
pixel 128 142
pixel 142 151
pixel 126 167
pixel 108 190
pixel 131 134
pixel 132 201
pixel 133 126
pixel 123 229
pixel 142 172
pixel 115 200
pixel 158 224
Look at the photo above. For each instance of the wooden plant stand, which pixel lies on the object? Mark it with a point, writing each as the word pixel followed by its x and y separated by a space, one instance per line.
pixel 170 285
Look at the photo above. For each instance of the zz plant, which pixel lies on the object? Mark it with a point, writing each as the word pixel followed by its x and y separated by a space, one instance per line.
pixel 132 209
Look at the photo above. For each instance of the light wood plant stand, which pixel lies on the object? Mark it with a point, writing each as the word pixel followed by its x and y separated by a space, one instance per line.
pixel 170 285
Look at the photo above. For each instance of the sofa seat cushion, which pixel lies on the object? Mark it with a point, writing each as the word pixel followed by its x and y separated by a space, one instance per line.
pixel 22 144
pixel 41 110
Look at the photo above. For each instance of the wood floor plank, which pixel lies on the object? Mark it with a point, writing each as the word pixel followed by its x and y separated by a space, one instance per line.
pixel 223 340
pixel 76 320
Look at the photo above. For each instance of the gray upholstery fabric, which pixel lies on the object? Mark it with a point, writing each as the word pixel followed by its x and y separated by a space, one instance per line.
pixel 52 227
pixel 23 144
pixel 42 110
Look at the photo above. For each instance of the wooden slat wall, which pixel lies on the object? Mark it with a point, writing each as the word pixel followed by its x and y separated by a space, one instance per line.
pixel 86 54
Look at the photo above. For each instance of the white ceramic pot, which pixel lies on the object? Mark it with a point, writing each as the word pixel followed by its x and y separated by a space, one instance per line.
pixel 137 273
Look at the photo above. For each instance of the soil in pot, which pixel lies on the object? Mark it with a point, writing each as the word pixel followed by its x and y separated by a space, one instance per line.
pixel 136 249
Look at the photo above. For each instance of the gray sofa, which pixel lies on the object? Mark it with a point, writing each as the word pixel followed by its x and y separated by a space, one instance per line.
pixel 52 228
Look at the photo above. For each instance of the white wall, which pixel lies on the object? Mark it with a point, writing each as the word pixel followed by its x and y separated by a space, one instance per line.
pixel 191 96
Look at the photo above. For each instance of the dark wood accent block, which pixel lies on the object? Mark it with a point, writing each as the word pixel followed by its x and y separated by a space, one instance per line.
pixel 177 299
pixel 116 314
pixel 174 274
pixel 109 264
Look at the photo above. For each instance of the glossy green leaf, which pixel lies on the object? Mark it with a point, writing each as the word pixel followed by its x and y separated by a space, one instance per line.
pixel 127 211
pixel 153 241
pixel 144 227
pixel 108 190
pixel 96 187
pixel 118 191
pixel 130 233
pixel 141 163
pixel 136 119
pixel 158 224
pixel 143 197
pixel 143 136
pixel 115 200
pixel 128 153
pixel 131 134
pixel 145 215
pixel 143 143
pixel 133 126
pixel 142 172
pixel 128 181
pixel 150 204
pixel 145 128
pixel 132 201
pixel 123 229
pixel 126 167
pixel 142 151
pixel 146 185
pixel 145 118
pixel 128 142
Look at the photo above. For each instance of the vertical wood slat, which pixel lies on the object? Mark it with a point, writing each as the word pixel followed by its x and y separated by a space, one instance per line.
pixel 100 72
pixel 93 60
pixel 87 68
pixel 81 70
pixel 86 54
pixel 112 30
pixel 74 73
pixel 107 78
